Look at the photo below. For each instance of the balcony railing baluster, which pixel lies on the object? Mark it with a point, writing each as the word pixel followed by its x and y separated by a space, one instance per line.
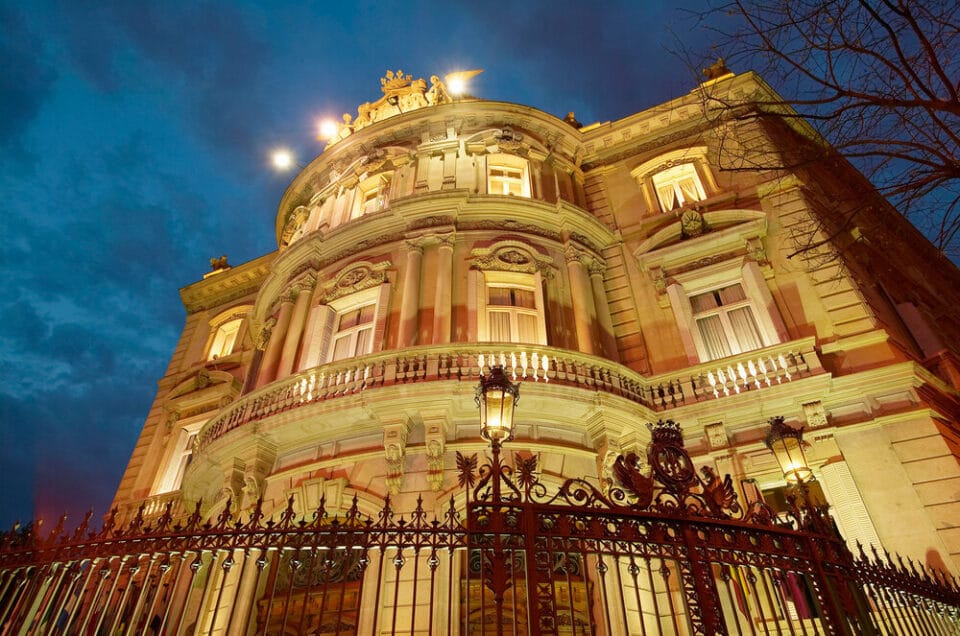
pixel 711 380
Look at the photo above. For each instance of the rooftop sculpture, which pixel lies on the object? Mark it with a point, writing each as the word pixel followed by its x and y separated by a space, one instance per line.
pixel 402 93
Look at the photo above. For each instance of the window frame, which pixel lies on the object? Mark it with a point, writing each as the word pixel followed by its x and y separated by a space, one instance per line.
pixel 672 176
pixel 234 315
pixel 717 276
pixel 378 185
pixel 511 280
pixel 507 162
pixel 345 305
pixel 179 457
pixel 722 313
pixel 695 157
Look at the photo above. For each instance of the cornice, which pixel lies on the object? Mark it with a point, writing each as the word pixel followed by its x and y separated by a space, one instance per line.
pixel 228 285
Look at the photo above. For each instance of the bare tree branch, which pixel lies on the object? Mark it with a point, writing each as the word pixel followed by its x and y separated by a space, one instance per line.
pixel 880 81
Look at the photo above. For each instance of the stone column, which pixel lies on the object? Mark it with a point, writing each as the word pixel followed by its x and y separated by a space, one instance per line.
pixel 441 302
pixel 607 340
pixel 410 301
pixel 271 356
pixel 581 298
pixel 298 319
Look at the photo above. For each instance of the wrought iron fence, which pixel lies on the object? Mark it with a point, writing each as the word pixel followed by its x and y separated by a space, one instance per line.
pixel 659 550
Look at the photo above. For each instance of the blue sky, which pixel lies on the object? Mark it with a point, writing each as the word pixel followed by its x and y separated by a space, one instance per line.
pixel 135 139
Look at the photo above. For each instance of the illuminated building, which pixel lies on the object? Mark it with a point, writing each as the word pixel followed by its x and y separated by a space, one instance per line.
pixel 621 272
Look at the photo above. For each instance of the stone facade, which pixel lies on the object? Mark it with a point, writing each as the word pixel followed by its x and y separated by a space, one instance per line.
pixel 624 272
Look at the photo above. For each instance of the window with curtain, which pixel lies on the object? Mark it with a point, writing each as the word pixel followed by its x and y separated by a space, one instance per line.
pixel 512 315
pixel 353 333
pixel 725 320
pixel 677 186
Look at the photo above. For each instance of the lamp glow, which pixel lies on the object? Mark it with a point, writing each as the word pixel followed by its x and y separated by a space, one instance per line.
pixel 327 129
pixel 496 396
pixel 786 443
pixel 457 86
pixel 282 159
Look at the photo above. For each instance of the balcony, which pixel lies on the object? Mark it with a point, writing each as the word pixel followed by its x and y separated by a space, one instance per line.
pixel 753 371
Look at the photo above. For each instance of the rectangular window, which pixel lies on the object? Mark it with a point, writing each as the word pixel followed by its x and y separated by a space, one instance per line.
pixel 513 309
pixel 725 321
pixel 507 175
pixel 181 458
pixel 678 186
pixel 353 335
pixel 505 180
pixel 371 195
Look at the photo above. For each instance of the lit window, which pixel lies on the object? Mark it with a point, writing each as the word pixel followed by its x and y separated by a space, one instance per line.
pixel 224 339
pixel 513 308
pixel 371 195
pixel 353 334
pixel 507 175
pixel 725 321
pixel 180 458
pixel 678 186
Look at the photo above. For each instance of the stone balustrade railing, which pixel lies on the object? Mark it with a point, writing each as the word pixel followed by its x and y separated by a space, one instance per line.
pixel 748 372
pixel 153 506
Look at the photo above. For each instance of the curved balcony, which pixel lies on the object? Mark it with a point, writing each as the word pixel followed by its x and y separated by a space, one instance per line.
pixel 753 371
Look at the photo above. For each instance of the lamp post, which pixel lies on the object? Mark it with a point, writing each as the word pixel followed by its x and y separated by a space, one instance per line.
pixel 496 397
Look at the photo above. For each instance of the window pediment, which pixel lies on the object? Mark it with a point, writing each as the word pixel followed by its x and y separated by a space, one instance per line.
pixel 202 392
pixel 357 277
pixel 727 231
pixel 509 256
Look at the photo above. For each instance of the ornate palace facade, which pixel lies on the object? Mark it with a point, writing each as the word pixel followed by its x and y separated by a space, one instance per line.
pixel 621 272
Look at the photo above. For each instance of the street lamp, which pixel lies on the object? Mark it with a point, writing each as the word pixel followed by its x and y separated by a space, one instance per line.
pixel 496 396
pixel 786 442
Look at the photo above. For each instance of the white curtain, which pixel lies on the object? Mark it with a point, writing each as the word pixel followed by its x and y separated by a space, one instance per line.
pixel 745 330
pixel 667 197
pixel 527 325
pixel 714 339
pixel 498 326
pixel 689 190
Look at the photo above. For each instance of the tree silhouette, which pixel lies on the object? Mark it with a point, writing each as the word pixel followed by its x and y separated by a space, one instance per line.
pixel 879 80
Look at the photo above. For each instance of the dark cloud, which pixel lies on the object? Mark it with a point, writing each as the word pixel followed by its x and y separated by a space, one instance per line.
pixel 149 125
pixel 203 56
pixel 26 80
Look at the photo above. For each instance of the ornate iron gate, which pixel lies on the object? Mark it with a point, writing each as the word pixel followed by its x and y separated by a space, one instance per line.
pixel 661 551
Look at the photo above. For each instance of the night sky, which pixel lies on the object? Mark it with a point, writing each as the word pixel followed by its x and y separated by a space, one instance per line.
pixel 135 141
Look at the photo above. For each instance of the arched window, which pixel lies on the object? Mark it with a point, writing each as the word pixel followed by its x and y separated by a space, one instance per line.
pixel 677 186
pixel 226 333
pixel 675 179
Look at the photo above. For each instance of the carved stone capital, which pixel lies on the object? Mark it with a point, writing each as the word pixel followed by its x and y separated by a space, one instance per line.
pixel 445 240
pixel 414 245
pixel 262 337
pixel 597 268
pixel 304 284
pixel 574 255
